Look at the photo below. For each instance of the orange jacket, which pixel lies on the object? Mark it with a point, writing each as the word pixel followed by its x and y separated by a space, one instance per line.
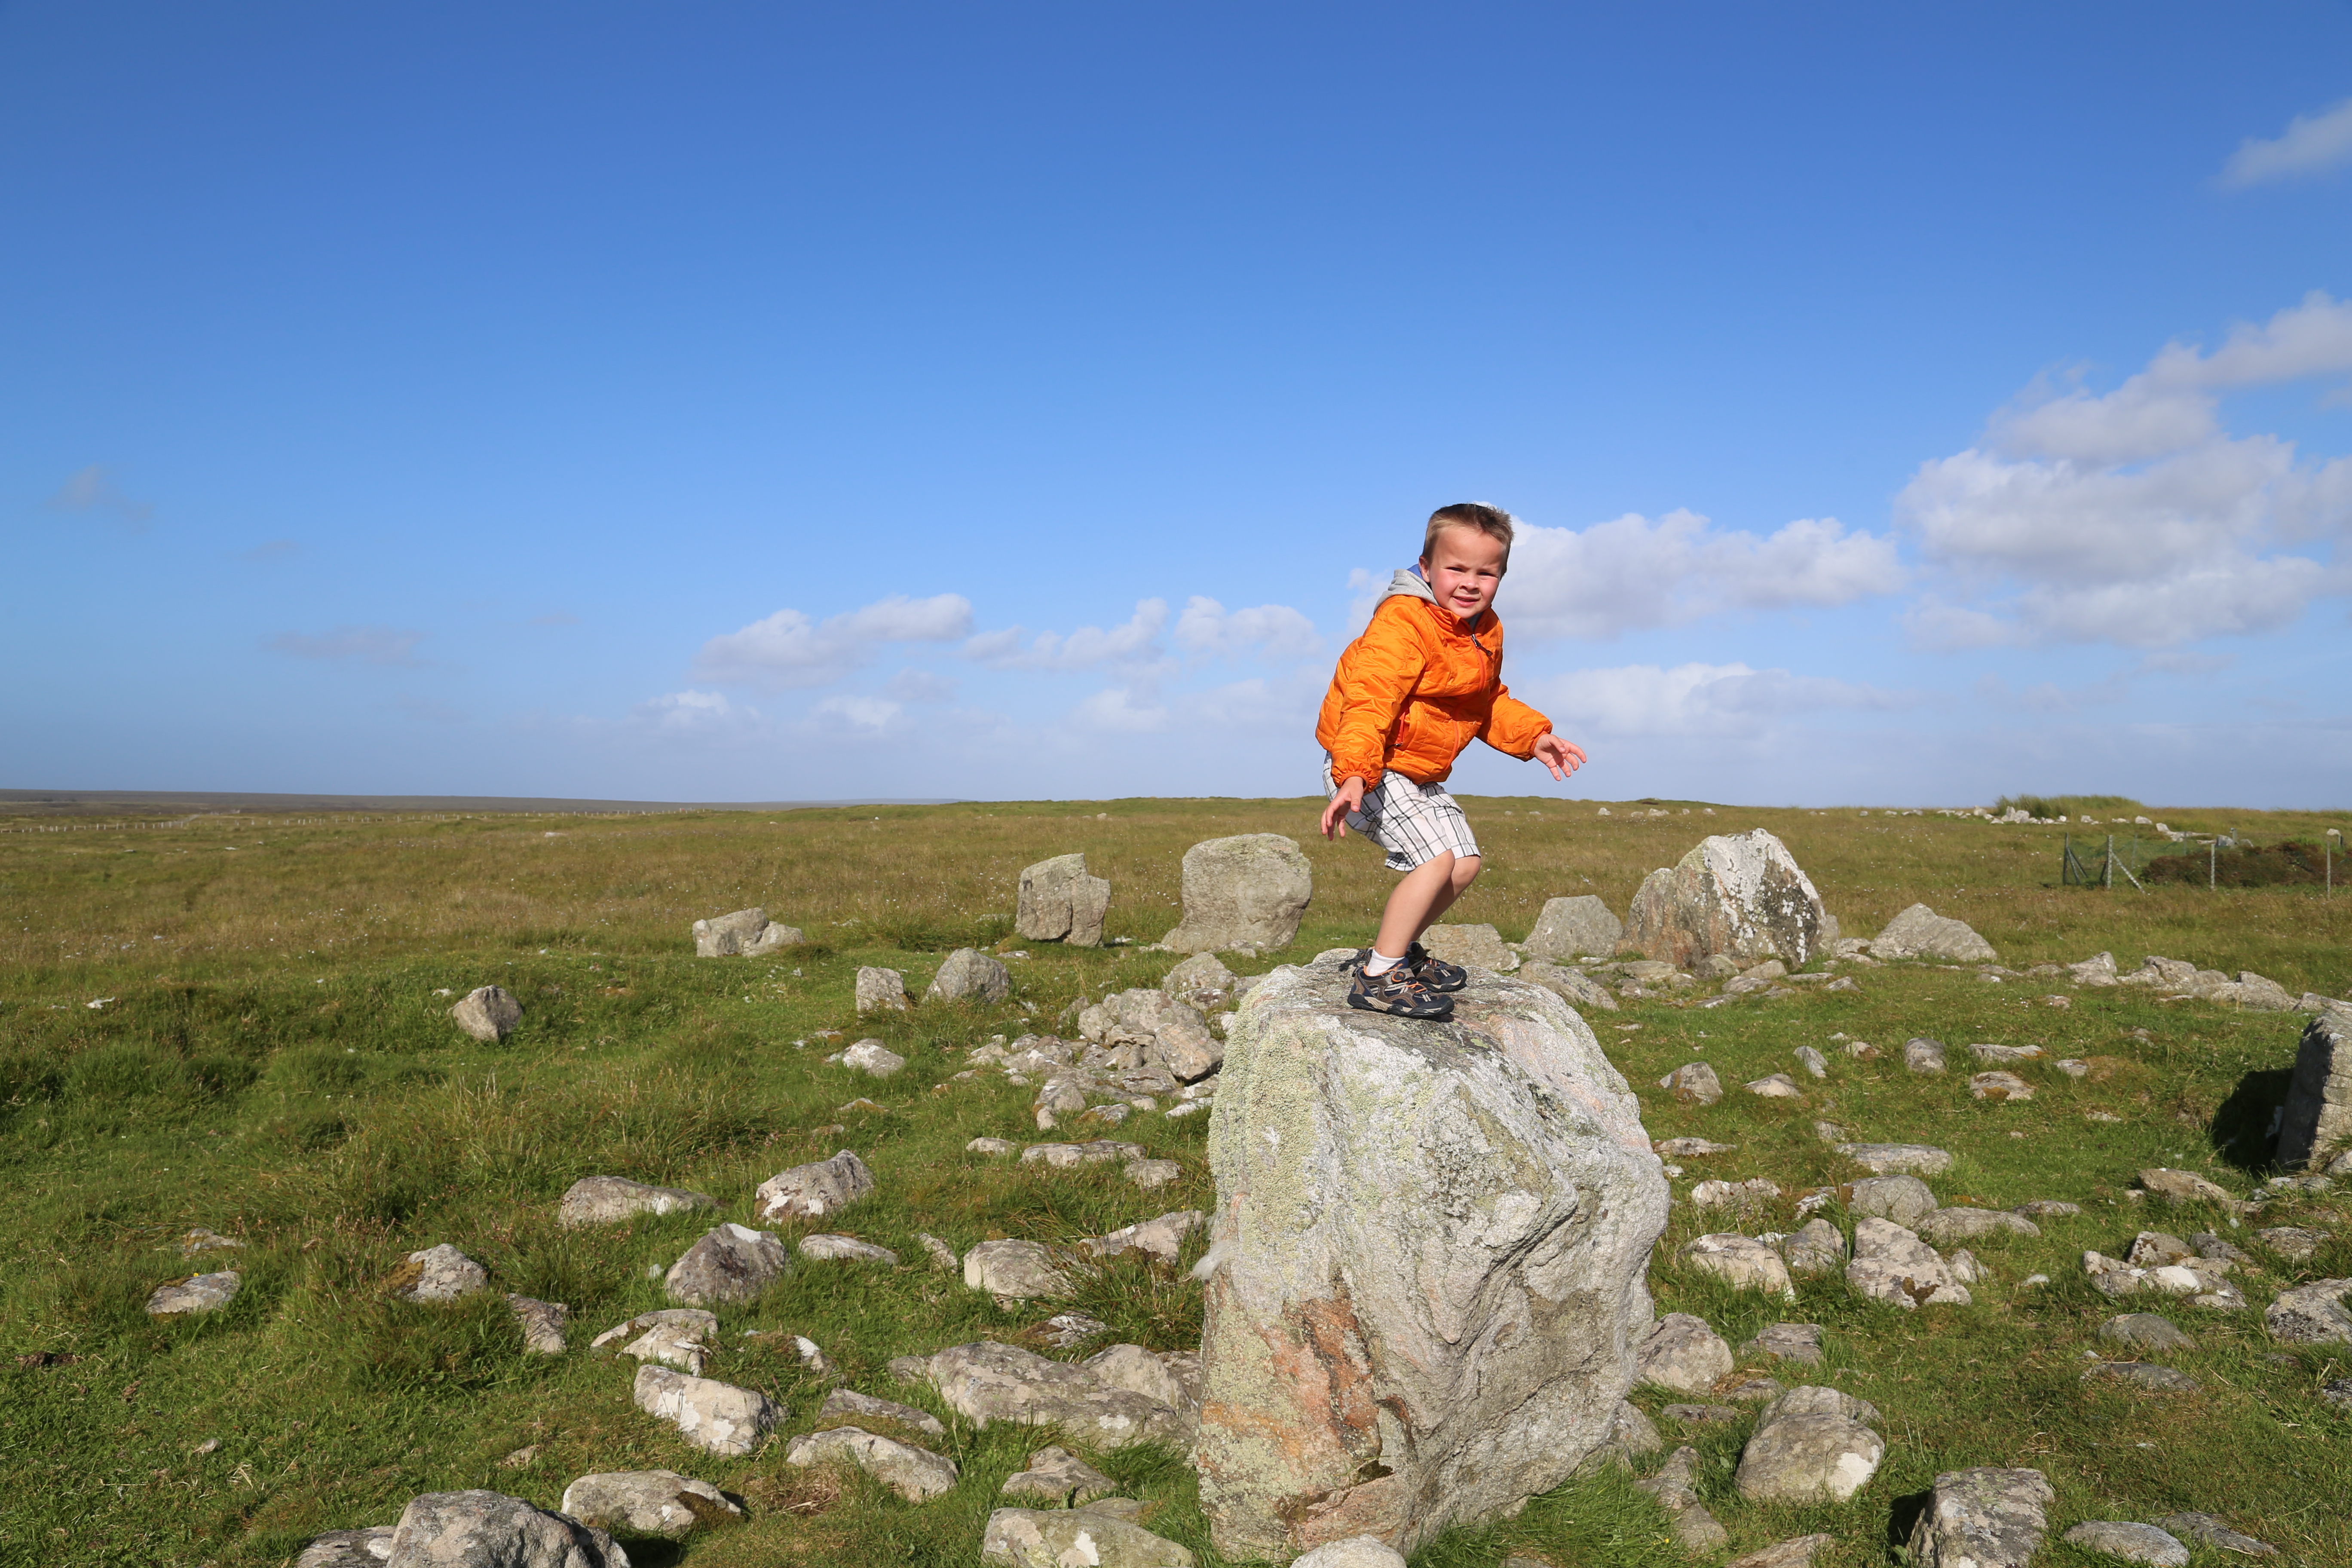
pixel 1416 688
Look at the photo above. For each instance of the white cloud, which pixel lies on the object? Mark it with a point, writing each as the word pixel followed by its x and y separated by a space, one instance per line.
pixel 1724 699
pixel 1119 711
pixel 2132 517
pixel 1207 627
pixel 1135 642
pixel 2311 144
pixel 367 644
pixel 91 491
pixel 912 685
pixel 1634 572
pixel 869 714
pixel 789 649
pixel 693 712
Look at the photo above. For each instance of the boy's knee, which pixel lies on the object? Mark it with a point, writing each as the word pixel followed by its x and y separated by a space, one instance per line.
pixel 1465 871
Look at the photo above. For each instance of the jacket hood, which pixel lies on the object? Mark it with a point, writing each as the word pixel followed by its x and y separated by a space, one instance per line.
pixel 1409 582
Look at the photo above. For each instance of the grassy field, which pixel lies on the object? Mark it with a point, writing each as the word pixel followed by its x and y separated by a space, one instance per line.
pixel 270 1058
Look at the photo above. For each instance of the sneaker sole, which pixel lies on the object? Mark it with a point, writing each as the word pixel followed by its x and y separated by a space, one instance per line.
pixel 1363 1006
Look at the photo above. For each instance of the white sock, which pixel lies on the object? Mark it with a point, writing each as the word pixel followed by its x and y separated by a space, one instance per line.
pixel 1376 966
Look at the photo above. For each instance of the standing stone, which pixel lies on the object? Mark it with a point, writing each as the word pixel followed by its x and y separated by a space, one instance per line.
pixel 1429 1252
pixel 731 1263
pixel 1248 892
pixel 881 990
pixel 1743 897
pixel 969 975
pixel 204 1293
pixel 815 1190
pixel 1479 947
pixel 1983 1519
pixel 646 1502
pixel 1570 929
pixel 716 1417
pixel 491 1530
pixel 601 1200
pixel 1920 933
pixel 1059 903
pixel 2318 1117
pixel 488 1013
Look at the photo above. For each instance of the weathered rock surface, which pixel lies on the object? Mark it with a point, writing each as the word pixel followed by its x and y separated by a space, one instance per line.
pixel 491 1530
pixel 1692 1083
pixel 2317 1121
pixel 601 1200
pixel 2145 1331
pixel 2132 1542
pixel 1572 986
pixel 1069 1156
pixel 2140 1374
pixel 1743 897
pixel 969 975
pixel 1059 903
pixel 1799 1342
pixel 1739 1261
pixel 488 1013
pixel 1424 1290
pixel 986 1381
pixel 1356 1552
pixel 1984 1518
pixel 1244 893
pixel 731 1263
pixel 1997 1086
pixel 1058 1478
pixel 646 1502
pixel 1201 982
pixel 1920 933
pixel 1675 1486
pixel 872 1058
pixel 747 932
pixel 682 1337
pixel 914 1473
pixel 1570 929
pixel 2312 1314
pixel 1630 1438
pixel 1682 1353
pixel 1808 1448
pixel 1161 1238
pixel 438 1274
pixel 815 1190
pixel 1894 1159
pixel 541 1323
pixel 1905 1200
pixel 1892 1263
pixel 1074 1538
pixel 2182 1186
pixel 1815 1248
pixel 203 1293
pixel 1014 1271
pixel 1948 1228
pixel 2208 1531
pixel 1473 946
pixel 848 1402
pixel 347 1549
pixel 1922 1055
pixel 717 1418
pixel 845 1249
pixel 881 990
pixel 1148 1030
pixel 1776 1086
pixel 1797 1553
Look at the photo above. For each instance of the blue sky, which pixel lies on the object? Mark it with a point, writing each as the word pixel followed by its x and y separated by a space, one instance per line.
pixel 755 402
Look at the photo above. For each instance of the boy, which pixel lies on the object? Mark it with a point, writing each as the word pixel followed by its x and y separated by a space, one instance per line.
pixel 1412 691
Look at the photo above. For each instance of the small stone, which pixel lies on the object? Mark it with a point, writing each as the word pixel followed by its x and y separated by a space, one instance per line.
pixel 541 1323
pixel 969 975
pixel 646 1502
pixel 731 1263
pixel 492 1530
pixel 1905 1200
pixel 938 1252
pixel 1690 1148
pixel 1740 1262
pixel 2145 1331
pixel 438 1274
pixel 1920 933
pixel 203 1293
pixel 845 1249
pixel 1829 1133
pixel 1984 1518
pixel 1733 1194
pixel 1059 1477
pixel 1631 1437
pixel 2312 1314
pixel 1694 1083
pixel 1806 1458
pixel 2182 1186
pixel 1070 1156
pixel 2208 1531
pixel 1676 1487
pixel 1794 1554
pixel 1922 1055
pixel 990 1146
pixel 915 1473
pixel 2140 1374
pixel 747 932
pixel 2047 1208
pixel 873 1057
pixel 1799 1343
pixel 1153 1175
pixel 1355 1551
pixel 815 1190
pixel 717 1418
pixel 1999 1087
pixel 1947 1226
pixel 1161 1238
pixel 1892 1263
pixel 1074 1538
pixel 200 1240
pixel 881 991
pixel 601 1200
pixel 1779 1086
pixel 1701 1414
pixel 1067 1330
pixel 1812 1061
pixel 2132 1542
pixel 2072 1067
pixel 2292 1242
pixel 522 1458
pixel 1014 1271
pixel 1684 1355
pixel 347 1549
pixel 488 1013
pixel 1861 1050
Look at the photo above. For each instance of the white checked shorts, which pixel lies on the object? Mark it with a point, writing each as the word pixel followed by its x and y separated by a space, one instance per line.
pixel 1415 823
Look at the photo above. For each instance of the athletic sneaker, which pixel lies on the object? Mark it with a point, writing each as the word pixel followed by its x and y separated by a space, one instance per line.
pixel 1397 992
pixel 1433 972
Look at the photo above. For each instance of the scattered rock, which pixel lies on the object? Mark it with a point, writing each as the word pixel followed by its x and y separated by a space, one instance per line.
pixel 1356 1552
pixel 1905 1200
pixel 199 1240
pixel 1149 1039
pixel 914 1473
pixel 1161 1238
pixel 2140 1374
pixel 1740 1262
pixel 488 1014
pixel 541 1323
pixel 717 1418
pixel 748 932
pixel 1153 1174
pixel 1809 1448
pixel 1069 1156
pixel 1059 903
pixel 1779 1086
pixel 1733 1194
pixel 1983 1519
pixel 203 1293
pixel 681 1337
pixel 1701 1414
pixel 1694 1083
pixel 2047 1208
pixel 1067 1330
pixel 1689 1148
pixel 848 1401
pixel 1922 1055
pixel 1246 892
pixel 1892 1158
pixel 1572 986
pixel 1817 1246
pixel 881 990
pixel 491 1530
pixel 2182 1186
pixel 2145 1331
pixel 1143 1371
pixel 2000 1086
pixel 2292 1242
pixel 1794 1554
pixel 601 1200
pixel 2312 1314
pixel 2202 1280
pixel 1471 946
pixel 1074 1538
pixel 1799 1342
pixel 986 1381
pixel 1892 1263
pixel 1759 978
pixel 1676 1487
pixel 1920 933
pixel 1059 1477
pixel 845 1249
pixel 347 1549
pixel 1682 1353
pixel 1945 1226
pixel 2097 970
pixel 1574 928
pixel 729 1263
pixel 814 1191
pixel 969 975
pixel 1743 897
pixel 1014 1271
pixel 990 1146
pixel 438 1274
pixel 646 1502
pixel 1631 1437
pixel 2132 1542
pixel 2317 1120
pixel 942 1255
pixel 1812 1061
pixel 1200 981
pixel 874 1057
pixel 2208 1531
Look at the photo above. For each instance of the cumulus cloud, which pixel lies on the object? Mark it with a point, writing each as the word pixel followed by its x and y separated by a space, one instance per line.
pixel 363 645
pixel 791 649
pixel 919 686
pixel 867 713
pixel 693 712
pixel 1208 628
pixel 1134 642
pixel 2132 516
pixel 91 491
pixel 2311 144
pixel 1634 572
pixel 1726 700
pixel 1118 711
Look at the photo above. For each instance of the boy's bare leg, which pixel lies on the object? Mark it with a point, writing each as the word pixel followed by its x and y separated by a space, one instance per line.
pixel 1423 894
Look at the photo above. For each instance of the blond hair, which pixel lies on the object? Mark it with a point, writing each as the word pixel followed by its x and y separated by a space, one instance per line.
pixel 1491 520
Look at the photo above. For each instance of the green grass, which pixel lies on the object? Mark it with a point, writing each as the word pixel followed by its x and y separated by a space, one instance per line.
pixel 275 1064
pixel 2051 807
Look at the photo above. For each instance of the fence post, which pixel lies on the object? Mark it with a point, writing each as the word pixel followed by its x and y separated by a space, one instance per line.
pixel 2108 872
pixel 2213 856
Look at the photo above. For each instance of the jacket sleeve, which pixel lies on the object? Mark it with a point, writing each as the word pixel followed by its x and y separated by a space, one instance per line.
pixel 1512 727
pixel 1378 676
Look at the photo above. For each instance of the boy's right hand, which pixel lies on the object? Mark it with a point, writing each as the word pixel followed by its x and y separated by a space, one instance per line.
pixel 1351 798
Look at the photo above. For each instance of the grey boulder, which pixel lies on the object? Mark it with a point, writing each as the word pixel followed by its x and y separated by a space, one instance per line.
pixel 1816 1246
pixel 1356 1552
pixel 1922 1055
pixel 1810 1446
pixel 1569 929
pixel 969 975
pixel 1920 933
pixel 1986 1518
pixel 1247 893
pixel 848 1401
pixel 1058 1478
pixel 1684 1355
pixel 1694 1083
pixel 1904 1199
pixel 1675 1486
pixel 2317 1121
pixel 814 1190
pixel 491 1530
pixel 1200 981
pixel 488 1014
pixel 717 1418
pixel 1743 897
pixel 731 1263
pixel 601 1200
pixel 1944 1228
pixel 748 932
pixel 646 1502
pixel 986 1381
pixel 541 1322
pixel 1799 1342
pixel 1074 1538
pixel 1572 986
pixel 1474 946
pixel 438 1274
pixel 1057 901
pixel 1739 1261
pixel 201 1293
pixel 1893 1159
pixel 347 1549
pixel 880 990
pixel 2132 1542
pixel 1893 1265
pixel 845 1249
pixel 1014 1271
pixel 914 1473
pixel 2311 1314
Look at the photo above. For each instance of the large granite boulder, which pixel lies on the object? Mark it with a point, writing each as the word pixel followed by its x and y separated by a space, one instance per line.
pixel 1741 896
pixel 1425 1289
pixel 2318 1119
pixel 491 1530
pixel 1245 893
pixel 1059 903
pixel 1920 933
pixel 1570 929
pixel 748 932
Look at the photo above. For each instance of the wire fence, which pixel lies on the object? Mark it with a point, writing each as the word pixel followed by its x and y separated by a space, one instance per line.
pixel 2231 859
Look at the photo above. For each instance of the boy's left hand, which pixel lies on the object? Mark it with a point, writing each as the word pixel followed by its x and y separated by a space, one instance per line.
pixel 1562 757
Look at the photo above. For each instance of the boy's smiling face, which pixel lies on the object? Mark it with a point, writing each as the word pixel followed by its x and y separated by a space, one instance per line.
pixel 1463 568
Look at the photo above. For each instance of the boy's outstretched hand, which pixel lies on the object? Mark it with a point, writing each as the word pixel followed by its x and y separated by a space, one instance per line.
pixel 1562 757
pixel 1349 798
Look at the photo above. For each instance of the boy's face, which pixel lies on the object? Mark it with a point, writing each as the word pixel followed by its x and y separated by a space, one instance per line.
pixel 1463 568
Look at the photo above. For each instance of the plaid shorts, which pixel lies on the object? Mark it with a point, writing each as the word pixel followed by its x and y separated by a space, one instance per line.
pixel 1415 823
